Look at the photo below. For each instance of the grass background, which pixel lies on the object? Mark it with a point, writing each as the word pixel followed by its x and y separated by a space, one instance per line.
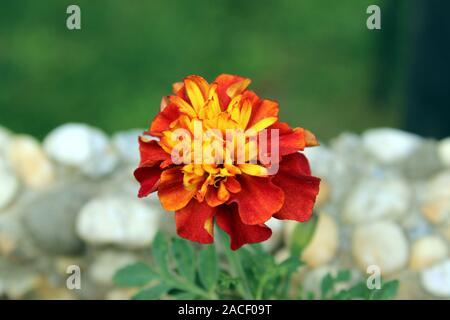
pixel 317 58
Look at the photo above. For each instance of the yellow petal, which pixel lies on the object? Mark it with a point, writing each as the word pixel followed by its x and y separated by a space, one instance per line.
pixel 253 169
pixel 238 87
pixel 208 226
pixel 246 112
pixel 234 102
pixel 194 92
pixel 262 124
pixel 183 106
pixel 223 194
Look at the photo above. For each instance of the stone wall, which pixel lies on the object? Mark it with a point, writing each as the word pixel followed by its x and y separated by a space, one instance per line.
pixel 384 200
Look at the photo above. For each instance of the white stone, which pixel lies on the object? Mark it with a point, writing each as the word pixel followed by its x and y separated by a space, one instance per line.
pixel 30 163
pixel 127 145
pixel 444 151
pixel 117 220
pixel 333 168
pixel 83 147
pixel 16 280
pixel 277 234
pixel 389 145
pixel 427 251
pixel 445 231
pixel 324 243
pixel 121 294
pixel 375 199
pixel 382 244
pixel 436 279
pixel 107 263
pixel 436 203
pixel 9 185
pixel 437 211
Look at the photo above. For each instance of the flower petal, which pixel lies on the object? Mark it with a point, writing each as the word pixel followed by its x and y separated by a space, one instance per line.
pixel 261 110
pixel 195 222
pixel 253 169
pixel 300 188
pixel 258 200
pixel 217 196
pixel 228 219
pixel 163 119
pixel 197 90
pixel 148 178
pixel 151 152
pixel 232 185
pixel 171 191
pixel 236 85
pixel 290 140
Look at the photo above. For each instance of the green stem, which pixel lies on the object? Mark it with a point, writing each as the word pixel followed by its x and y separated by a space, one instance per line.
pixel 236 269
pixel 259 290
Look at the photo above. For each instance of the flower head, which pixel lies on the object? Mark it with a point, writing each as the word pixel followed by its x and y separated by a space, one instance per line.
pixel 221 156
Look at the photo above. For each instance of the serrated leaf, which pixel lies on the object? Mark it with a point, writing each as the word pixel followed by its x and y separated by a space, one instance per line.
pixel 225 281
pixel 208 271
pixel 184 256
pixel 160 252
pixel 152 293
pixel 135 275
pixel 302 235
pixel 326 286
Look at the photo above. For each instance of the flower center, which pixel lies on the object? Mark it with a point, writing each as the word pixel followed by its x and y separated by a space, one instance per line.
pixel 214 143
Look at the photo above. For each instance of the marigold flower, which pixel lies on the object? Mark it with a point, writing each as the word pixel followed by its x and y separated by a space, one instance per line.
pixel 239 196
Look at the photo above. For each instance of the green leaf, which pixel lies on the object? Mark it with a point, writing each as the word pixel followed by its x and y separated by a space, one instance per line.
pixel 388 291
pixel 160 252
pixel 208 267
pixel 152 293
pixel 185 296
pixel 289 265
pixel 184 256
pixel 326 286
pixel 358 291
pixel 134 275
pixel 302 235
pixel 225 281
pixel 343 275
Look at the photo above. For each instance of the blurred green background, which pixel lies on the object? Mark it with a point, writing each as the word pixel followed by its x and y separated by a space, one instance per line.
pixel 317 58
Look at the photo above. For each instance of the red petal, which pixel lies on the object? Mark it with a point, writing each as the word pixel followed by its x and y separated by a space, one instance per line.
pixel 228 220
pixel 224 81
pixel 195 222
pixel 163 119
pixel 295 163
pixel 258 200
pixel 290 140
pixel 151 152
pixel 148 177
pixel 233 185
pixel 300 188
pixel 263 109
pixel 171 191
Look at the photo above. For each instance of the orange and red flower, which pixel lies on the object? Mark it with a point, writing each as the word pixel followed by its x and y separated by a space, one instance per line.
pixel 238 196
